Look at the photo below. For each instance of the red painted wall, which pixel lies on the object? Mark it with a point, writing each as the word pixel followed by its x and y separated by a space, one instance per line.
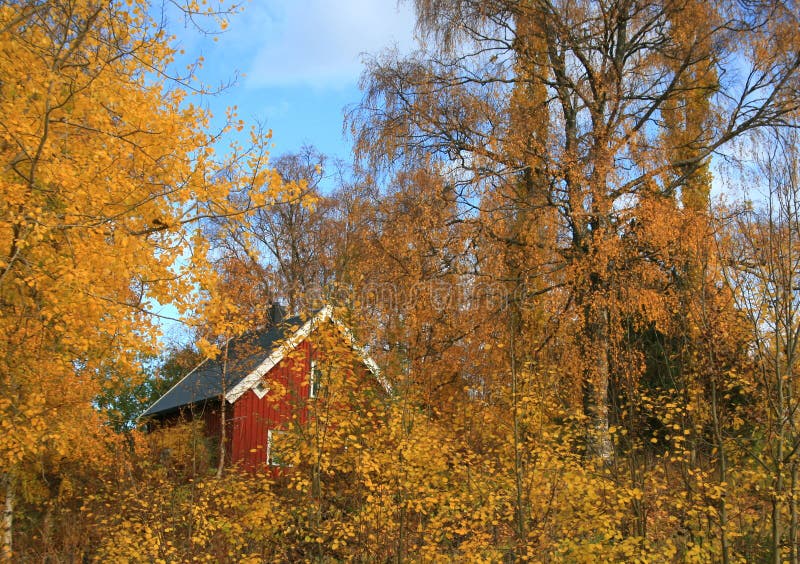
pixel 252 417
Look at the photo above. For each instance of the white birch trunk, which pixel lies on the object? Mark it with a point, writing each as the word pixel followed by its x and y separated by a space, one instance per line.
pixel 8 520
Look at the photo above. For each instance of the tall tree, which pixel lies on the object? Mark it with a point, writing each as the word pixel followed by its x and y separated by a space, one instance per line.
pixel 287 250
pixel 763 265
pixel 582 98
pixel 107 167
pixel 287 233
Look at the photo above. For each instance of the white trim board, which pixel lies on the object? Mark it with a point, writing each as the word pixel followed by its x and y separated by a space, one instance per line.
pixel 326 313
pixel 277 355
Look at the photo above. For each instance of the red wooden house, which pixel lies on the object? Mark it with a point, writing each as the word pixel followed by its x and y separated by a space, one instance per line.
pixel 264 384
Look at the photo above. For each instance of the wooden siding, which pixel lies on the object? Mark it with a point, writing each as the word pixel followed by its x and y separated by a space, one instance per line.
pixel 249 418
pixel 254 416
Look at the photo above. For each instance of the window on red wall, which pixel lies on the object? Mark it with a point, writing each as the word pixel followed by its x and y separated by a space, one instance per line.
pixel 277 448
pixel 314 380
pixel 261 389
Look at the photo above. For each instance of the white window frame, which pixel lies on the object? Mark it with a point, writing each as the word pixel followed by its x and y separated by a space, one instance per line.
pixel 314 380
pixel 270 434
pixel 261 389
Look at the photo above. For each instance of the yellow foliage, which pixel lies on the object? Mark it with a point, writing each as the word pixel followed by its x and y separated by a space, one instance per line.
pixel 107 169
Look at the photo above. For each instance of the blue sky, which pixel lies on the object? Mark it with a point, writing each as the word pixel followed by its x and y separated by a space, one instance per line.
pixel 299 62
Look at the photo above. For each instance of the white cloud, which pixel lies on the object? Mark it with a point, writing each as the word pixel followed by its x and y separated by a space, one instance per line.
pixel 320 42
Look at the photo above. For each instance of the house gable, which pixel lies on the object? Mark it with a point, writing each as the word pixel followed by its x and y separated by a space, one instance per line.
pixel 269 377
pixel 252 380
pixel 246 371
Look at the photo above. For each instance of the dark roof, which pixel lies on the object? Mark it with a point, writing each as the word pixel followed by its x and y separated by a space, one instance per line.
pixel 245 353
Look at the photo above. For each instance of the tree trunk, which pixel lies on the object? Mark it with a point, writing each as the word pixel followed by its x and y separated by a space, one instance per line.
pixel 596 381
pixel 776 520
pixel 520 510
pixel 793 558
pixel 723 473
pixel 222 415
pixel 777 494
pixel 8 519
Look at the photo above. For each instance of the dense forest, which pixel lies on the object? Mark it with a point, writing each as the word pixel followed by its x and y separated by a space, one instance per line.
pixel 569 236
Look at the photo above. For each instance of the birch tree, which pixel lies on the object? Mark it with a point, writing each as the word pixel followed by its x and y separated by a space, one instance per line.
pixel 577 101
